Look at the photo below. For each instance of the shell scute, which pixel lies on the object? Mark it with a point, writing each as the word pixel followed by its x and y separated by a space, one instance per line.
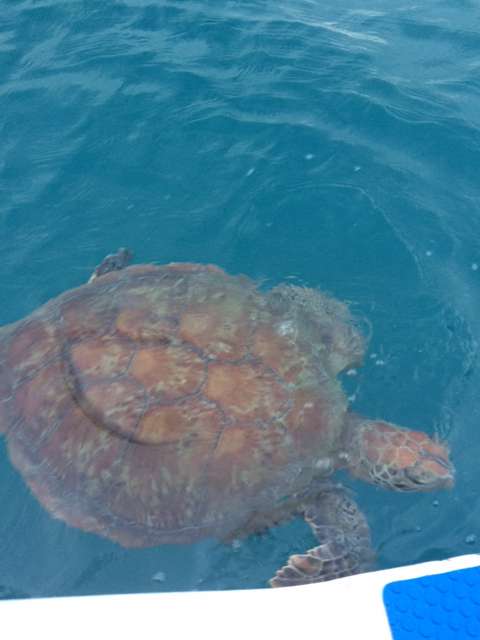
pixel 116 405
pixel 163 489
pixel 99 357
pixel 170 372
pixel 33 344
pixel 42 398
pixel 144 324
pixel 184 423
pixel 277 348
pixel 246 457
pixel 86 315
pixel 262 397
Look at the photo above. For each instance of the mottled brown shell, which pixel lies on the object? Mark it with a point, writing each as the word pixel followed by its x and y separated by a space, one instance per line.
pixel 165 404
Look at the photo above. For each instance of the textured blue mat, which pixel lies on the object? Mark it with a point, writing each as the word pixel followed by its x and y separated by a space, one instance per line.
pixel 439 607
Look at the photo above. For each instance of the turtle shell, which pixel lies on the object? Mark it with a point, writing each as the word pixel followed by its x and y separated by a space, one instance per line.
pixel 166 404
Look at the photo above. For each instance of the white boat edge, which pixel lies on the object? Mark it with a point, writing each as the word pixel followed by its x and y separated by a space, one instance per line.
pixel 341 609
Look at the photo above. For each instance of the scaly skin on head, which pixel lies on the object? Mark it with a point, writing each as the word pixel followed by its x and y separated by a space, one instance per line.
pixel 396 458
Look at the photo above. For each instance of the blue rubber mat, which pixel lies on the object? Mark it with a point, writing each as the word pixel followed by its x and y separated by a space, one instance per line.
pixel 439 607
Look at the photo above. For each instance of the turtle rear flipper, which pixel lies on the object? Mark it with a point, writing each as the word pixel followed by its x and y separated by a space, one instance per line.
pixel 112 262
pixel 345 546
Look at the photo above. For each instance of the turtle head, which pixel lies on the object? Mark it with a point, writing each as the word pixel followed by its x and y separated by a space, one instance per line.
pixel 396 458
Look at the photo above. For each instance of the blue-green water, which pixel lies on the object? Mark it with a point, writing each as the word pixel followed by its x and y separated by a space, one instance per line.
pixel 336 143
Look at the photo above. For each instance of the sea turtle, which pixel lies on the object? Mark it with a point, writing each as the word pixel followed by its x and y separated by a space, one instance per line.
pixel 166 404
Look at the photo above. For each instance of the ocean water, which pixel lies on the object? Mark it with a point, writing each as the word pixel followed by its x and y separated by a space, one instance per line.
pixel 333 143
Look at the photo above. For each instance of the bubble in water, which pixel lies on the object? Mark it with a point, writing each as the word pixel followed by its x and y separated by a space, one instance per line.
pixel 160 576
pixel 471 538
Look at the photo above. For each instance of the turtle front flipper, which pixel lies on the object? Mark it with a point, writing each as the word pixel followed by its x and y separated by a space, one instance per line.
pixel 112 262
pixel 344 537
